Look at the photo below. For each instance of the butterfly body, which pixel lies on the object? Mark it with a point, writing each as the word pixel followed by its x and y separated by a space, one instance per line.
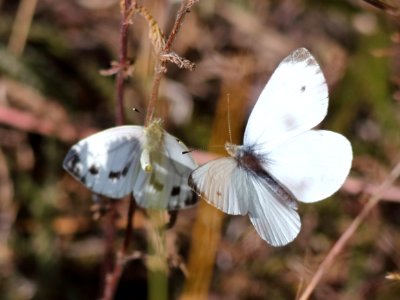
pixel 145 161
pixel 245 157
pixel 284 161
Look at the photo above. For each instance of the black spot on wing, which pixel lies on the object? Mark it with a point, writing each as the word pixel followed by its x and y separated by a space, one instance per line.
pixel 114 175
pixel 94 170
pixel 125 169
pixel 191 199
pixel 176 190
pixel 303 88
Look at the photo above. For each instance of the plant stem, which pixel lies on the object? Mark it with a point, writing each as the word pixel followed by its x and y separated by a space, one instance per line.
pixel 21 26
pixel 123 55
pixel 113 279
pixel 157 264
pixel 160 64
pixel 206 232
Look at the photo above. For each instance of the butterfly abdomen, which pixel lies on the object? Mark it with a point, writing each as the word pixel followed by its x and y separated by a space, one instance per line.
pixel 249 160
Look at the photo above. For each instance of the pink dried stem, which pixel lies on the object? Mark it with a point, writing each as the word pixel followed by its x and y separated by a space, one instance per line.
pixel 161 64
pixel 123 55
pixel 112 279
pixel 345 237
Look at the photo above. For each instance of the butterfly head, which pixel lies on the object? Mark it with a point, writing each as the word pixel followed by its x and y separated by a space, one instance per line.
pixel 232 149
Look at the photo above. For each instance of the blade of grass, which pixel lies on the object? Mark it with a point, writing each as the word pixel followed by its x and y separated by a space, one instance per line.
pixel 21 26
pixel 157 264
pixel 206 232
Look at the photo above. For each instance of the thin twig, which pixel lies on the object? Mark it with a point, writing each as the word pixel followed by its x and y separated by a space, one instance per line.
pixel 123 61
pixel 183 10
pixel 113 279
pixel 161 64
pixel 109 237
pixel 345 237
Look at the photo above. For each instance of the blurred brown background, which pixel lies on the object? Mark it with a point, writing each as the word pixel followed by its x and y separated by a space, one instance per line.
pixel 52 94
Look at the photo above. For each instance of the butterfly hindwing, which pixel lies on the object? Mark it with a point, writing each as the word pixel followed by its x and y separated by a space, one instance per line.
pixel 312 165
pixel 166 186
pixel 275 219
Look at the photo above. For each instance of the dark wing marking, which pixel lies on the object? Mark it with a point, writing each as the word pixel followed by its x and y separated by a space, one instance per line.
pixel 107 162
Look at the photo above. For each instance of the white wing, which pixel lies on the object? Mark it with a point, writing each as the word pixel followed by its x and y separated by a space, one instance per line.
pixel 235 190
pixel 312 165
pixel 294 100
pixel 107 162
pixel 166 187
pixel 223 185
pixel 275 220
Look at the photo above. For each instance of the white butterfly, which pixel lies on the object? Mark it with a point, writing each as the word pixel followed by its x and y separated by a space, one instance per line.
pixel 281 159
pixel 147 161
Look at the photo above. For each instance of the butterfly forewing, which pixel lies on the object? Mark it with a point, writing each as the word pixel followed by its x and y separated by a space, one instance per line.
pixel 275 220
pixel 106 162
pixel 294 100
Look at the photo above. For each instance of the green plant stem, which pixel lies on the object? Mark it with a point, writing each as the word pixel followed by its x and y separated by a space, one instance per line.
pixel 157 264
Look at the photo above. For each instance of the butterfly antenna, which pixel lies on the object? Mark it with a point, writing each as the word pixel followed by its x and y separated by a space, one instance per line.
pixel 201 149
pixel 136 110
pixel 229 120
